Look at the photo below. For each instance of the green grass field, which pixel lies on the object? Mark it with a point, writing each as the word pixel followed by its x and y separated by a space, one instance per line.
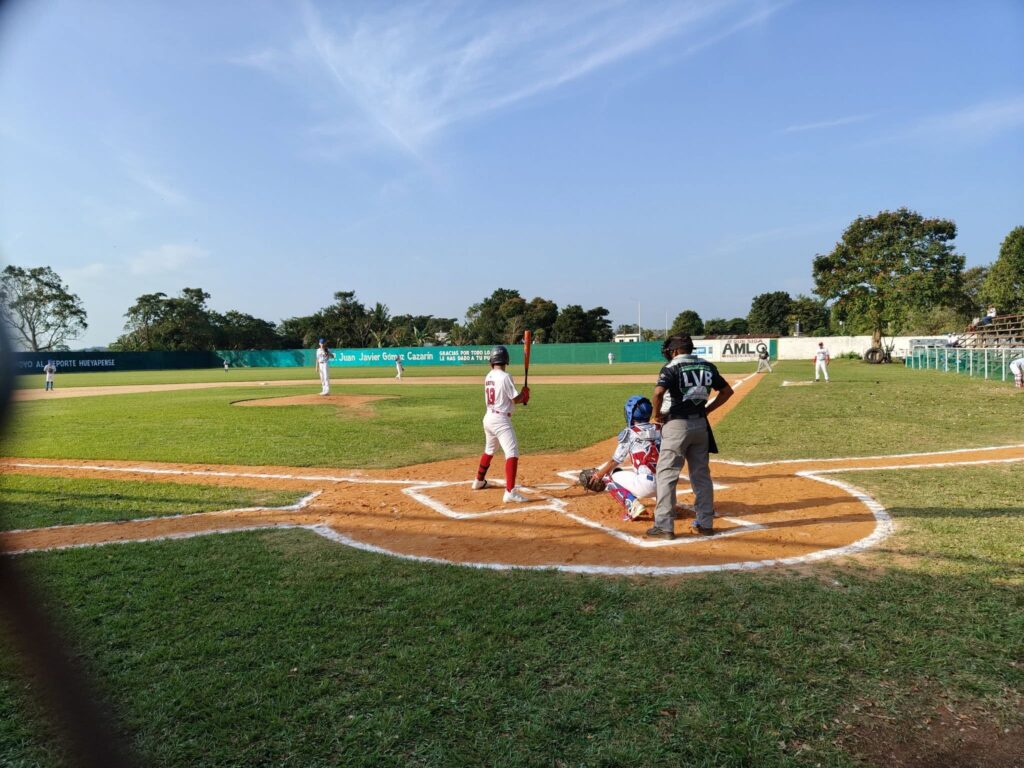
pixel 203 375
pixel 282 648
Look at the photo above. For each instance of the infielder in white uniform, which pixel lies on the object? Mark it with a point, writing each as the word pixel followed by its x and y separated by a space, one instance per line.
pixel 500 397
pixel 639 444
pixel 323 356
pixel 49 369
pixel 399 368
pixel 821 360
pixel 1017 369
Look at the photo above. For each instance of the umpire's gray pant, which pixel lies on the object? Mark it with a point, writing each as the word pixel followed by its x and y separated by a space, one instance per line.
pixel 684 440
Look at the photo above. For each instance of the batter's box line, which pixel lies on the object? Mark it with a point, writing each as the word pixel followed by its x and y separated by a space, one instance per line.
pixel 419 493
pixel 415 490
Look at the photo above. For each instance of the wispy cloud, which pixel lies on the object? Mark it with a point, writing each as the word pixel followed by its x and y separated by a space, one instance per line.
pixel 849 120
pixel 170 257
pixel 972 124
pixel 140 173
pixel 753 241
pixel 978 122
pixel 412 70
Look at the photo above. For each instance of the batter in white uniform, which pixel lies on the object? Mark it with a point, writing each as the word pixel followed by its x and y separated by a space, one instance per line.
pixel 821 360
pixel 1017 369
pixel 323 356
pixel 500 397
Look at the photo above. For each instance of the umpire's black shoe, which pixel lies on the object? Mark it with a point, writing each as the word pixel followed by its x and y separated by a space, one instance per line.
pixel 700 530
pixel 657 533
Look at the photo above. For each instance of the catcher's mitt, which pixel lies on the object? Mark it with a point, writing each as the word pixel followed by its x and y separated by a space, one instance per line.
pixel 591 480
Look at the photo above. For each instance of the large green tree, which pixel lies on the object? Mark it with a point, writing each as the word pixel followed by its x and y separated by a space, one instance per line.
pixel 40 309
pixel 888 265
pixel 238 330
pixel 158 322
pixel 503 316
pixel 687 321
pixel 488 320
pixel 811 314
pixel 769 313
pixel 1003 287
pixel 343 323
pixel 572 325
pixel 719 326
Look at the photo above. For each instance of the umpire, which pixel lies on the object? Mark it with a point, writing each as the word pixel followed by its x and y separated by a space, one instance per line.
pixel 680 406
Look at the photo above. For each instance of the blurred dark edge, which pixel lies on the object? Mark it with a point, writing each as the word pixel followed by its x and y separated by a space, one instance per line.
pixel 70 700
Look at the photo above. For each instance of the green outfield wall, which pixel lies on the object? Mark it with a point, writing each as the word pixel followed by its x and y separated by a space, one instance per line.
pixel 477 355
pixel 634 352
pixel 77 362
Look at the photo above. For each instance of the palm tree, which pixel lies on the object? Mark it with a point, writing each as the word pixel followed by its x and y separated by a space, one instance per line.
pixel 378 324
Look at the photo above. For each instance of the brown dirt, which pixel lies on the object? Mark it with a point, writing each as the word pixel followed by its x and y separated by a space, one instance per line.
pixel 429 510
pixel 940 736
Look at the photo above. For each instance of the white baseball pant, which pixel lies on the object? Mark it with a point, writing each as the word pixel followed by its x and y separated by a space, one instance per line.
pixel 498 430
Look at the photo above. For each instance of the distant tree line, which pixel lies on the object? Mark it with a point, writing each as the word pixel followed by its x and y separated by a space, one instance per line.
pixel 157 321
pixel 895 272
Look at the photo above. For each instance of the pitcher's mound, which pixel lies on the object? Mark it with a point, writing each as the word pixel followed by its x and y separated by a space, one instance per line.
pixel 359 404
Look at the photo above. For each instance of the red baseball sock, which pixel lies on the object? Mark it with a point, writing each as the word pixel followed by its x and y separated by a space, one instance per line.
pixel 511 467
pixel 485 464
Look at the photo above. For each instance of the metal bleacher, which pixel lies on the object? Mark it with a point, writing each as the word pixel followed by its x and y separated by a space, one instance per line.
pixel 1003 332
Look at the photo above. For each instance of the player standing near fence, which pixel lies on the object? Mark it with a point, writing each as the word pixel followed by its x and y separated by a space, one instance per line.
pixel 49 369
pixel 1017 369
pixel 500 397
pixel 323 357
pixel 821 361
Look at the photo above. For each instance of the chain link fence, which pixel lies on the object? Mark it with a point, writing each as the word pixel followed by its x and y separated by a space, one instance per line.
pixel 993 364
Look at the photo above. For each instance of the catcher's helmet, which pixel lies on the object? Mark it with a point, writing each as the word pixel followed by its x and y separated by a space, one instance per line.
pixel 499 355
pixel 638 409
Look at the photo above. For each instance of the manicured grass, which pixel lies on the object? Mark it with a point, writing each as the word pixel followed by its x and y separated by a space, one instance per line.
pixel 865 410
pixel 293 651
pixel 117 378
pixel 30 501
pixel 423 423
pixel 869 410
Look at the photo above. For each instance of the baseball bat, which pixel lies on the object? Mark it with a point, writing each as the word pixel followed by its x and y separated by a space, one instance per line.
pixel 527 344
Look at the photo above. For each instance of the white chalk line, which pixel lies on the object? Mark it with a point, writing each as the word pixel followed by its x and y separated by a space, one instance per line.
pixel 161 537
pixel 299 505
pixel 884 526
pixel 737 463
pixel 416 490
pixel 884 468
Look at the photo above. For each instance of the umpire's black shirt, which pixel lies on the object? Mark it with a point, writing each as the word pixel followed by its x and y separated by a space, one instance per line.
pixel 688 381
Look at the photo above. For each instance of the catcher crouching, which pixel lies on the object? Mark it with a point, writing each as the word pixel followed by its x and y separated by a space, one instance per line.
pixel 639 444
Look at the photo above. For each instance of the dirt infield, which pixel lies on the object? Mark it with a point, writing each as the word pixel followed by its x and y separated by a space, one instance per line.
pixel 769 513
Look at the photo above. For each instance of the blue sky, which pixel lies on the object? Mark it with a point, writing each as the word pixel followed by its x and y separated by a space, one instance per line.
pixel 672 154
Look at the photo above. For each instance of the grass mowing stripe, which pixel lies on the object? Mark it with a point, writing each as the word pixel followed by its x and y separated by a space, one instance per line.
pixel 30 501
pixel 422 424
pixel 865 410
pixel 203 375
pixel 868 410
pixel 301 652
